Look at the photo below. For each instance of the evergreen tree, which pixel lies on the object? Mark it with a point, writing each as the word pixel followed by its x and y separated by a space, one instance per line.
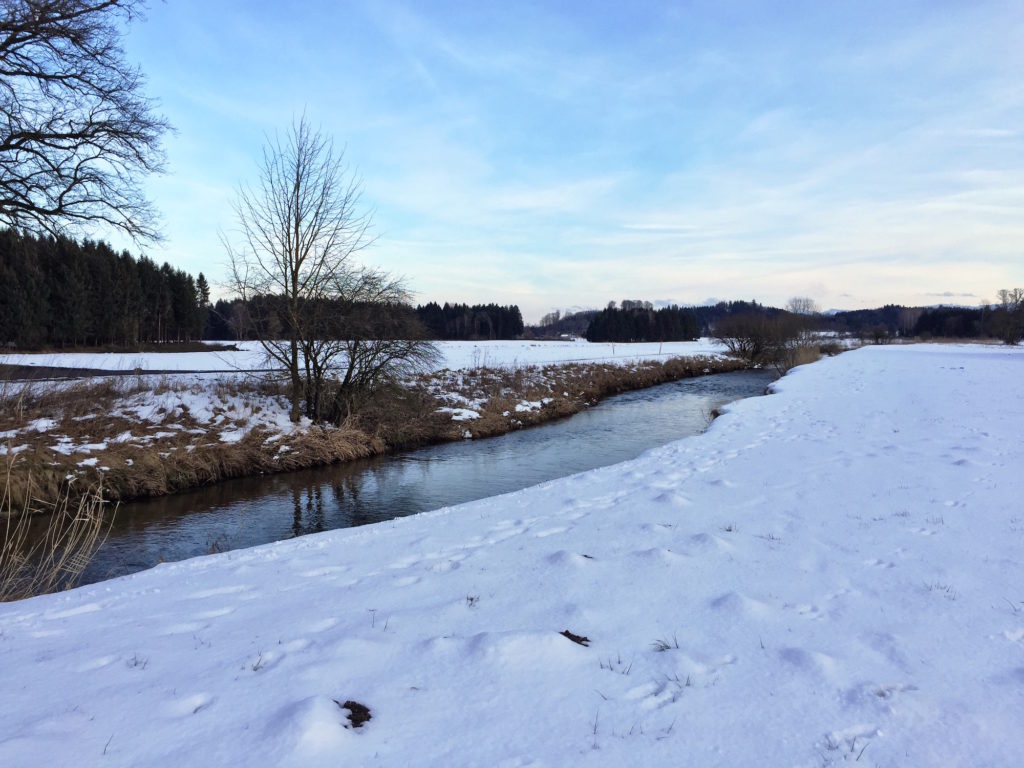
pixel 58 292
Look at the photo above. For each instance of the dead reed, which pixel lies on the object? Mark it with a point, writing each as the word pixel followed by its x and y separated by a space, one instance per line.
pixel 46 545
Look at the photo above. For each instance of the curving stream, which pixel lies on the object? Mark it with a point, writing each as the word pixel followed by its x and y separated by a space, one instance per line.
pixel 257 510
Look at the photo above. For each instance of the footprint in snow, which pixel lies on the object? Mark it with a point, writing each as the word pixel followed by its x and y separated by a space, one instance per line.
pixel 218 591
pixel 672 498
pixel 215 613
pixel 187 706
pixel 566 558
pixel 329 570
pixel 812 662
pixel 41 633
pixel 185 628
pixel 659 555
pixel 406 562
pixel 663 694
pixel 322 625
pixel 739 604
pixel 445 566
pixel 849 741
pixel 264 661
pixel 501 534
pixel 100 663
pixel 807 610
pixel 880 695
pixel 709 542
pixel 883 564
pixel 69 612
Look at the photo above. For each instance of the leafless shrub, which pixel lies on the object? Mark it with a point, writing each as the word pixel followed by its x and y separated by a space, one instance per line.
pixel 782 341
pixel 754 338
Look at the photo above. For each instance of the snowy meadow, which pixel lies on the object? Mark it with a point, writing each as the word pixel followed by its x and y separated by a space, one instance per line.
pixel 455 355
pixel 829 575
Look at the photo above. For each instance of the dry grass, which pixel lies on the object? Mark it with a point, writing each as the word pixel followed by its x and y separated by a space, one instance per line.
pixel 47 545
pixel 798 354
pixel 561 390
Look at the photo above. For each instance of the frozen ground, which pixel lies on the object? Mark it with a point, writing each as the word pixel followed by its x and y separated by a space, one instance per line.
pixel 454 355
pixel 830 575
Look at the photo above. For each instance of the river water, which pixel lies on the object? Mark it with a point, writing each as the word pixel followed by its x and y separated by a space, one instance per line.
pixel 257 510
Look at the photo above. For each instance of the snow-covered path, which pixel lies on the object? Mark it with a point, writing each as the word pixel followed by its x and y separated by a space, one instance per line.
pixel 830 574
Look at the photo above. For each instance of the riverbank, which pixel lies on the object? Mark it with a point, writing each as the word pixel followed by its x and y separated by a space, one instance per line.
pixel 145 435
pixel 825 574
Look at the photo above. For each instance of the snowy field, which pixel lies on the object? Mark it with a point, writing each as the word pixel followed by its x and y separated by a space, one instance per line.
pixel 454 355
pixel 830 575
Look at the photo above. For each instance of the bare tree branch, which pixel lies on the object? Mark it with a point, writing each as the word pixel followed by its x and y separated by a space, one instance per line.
pixel 76 131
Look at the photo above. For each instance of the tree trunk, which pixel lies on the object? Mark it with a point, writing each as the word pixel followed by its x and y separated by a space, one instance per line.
pixel 296 412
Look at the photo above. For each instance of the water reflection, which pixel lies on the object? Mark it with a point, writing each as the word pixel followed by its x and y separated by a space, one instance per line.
pixel 249 511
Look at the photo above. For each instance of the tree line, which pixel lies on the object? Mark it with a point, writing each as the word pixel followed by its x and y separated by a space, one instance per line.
pixel 229 321
pixel 1003 320
pixel 454 322
pixel 643 323
pixel 57 292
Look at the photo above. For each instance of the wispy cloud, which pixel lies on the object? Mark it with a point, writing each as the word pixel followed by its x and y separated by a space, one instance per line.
pixel 553 155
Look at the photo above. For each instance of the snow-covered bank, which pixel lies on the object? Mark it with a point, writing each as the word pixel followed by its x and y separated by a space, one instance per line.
pixel 153 435
pixel 830 573
pixel 454 355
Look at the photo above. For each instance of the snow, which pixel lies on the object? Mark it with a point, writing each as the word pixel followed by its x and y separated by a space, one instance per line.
pixel 461 414
pixel 249 356
pixel 455 355
pixel 829 575
pixel 232 435
pixel 526 406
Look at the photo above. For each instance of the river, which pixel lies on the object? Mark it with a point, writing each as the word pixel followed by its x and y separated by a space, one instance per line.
pixel 257 510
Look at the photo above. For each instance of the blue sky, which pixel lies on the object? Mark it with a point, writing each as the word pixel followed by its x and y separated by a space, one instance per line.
pixel 567 154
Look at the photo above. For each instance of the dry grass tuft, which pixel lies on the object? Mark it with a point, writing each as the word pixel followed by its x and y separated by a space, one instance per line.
pixel 45 546
pixel 797 354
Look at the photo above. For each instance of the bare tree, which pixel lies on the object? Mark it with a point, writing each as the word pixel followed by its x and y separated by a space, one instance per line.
pixel 1008 318
pixel 551 318
pixel 318 314
pixel 803 305
pixel 76 132
pixel 1011 299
